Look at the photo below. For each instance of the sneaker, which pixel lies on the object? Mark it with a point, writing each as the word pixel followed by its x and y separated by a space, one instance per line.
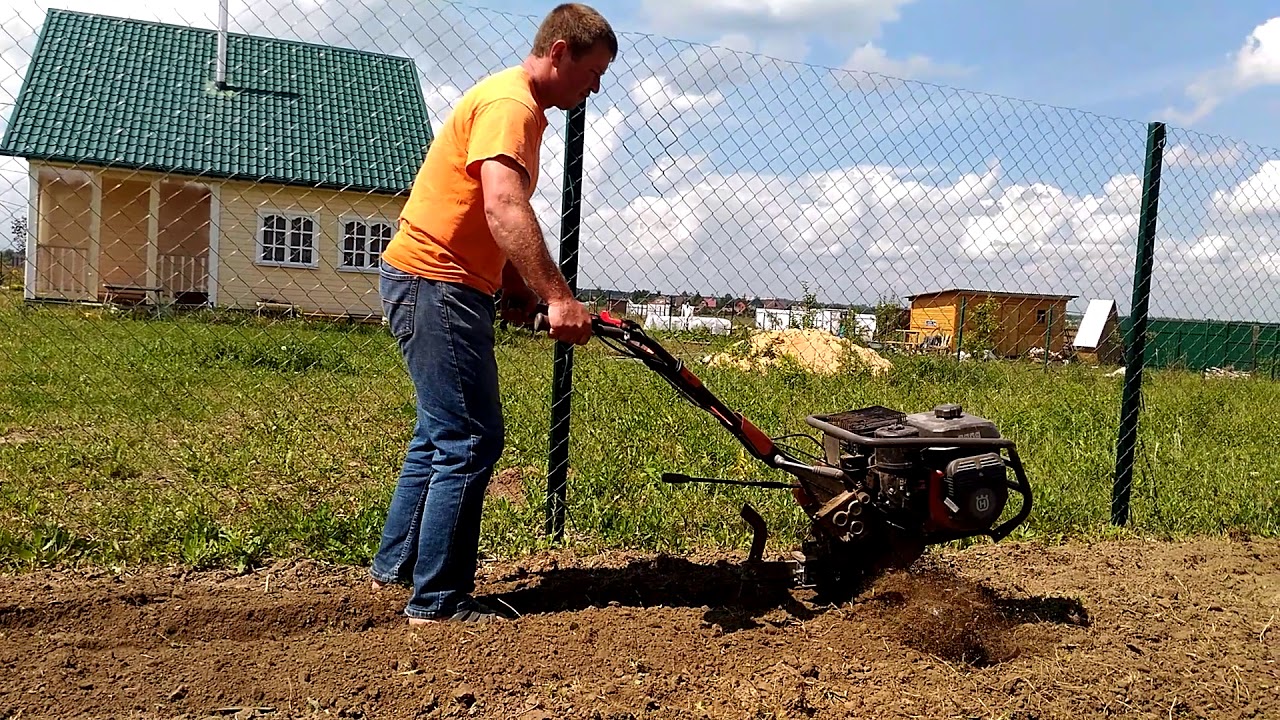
pixel 469 610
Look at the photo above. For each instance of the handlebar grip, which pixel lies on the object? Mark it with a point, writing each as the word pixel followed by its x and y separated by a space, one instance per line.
pixel 541 323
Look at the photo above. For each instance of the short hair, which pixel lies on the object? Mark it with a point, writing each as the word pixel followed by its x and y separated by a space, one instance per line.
pixel 581 26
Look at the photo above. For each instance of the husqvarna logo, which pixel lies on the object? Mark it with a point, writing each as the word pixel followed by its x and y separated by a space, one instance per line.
pixel 982 502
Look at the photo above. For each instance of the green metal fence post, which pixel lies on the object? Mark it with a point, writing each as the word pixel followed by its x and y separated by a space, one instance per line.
pixel 960 328
pixel 1132 399
pixel 1048 337
pixel 562 378
pixel 1275 355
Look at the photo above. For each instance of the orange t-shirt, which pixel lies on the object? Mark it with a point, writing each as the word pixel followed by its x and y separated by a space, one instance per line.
pixel 443 232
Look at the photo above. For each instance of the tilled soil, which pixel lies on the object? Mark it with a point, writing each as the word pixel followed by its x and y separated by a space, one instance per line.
pixel 1118 629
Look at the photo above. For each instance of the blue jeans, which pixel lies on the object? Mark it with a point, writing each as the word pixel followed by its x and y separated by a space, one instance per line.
pixel 432 532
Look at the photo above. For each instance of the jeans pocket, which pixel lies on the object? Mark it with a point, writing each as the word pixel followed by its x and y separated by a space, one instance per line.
pixel 399 299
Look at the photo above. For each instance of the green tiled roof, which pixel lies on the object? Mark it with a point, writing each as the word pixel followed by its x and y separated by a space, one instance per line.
pixel 142 95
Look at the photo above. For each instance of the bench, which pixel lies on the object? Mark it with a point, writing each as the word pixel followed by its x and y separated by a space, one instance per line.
pixel 130 294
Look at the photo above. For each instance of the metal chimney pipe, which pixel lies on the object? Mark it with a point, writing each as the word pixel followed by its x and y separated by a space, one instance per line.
pixel 222 45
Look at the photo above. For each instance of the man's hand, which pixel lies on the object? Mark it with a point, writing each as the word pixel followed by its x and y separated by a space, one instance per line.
pixel 570 321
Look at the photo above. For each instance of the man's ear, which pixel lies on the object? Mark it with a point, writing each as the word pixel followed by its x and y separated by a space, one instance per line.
pixel 559 52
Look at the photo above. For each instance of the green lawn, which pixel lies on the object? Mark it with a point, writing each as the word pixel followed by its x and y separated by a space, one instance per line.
pixel 225 439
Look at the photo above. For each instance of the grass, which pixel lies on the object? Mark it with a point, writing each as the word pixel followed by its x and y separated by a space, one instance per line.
pixel 224 439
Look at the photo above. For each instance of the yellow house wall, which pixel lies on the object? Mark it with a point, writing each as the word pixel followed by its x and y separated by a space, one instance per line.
pixel 1020 328
pixel 184 220
pixel 185 227
pixel 63 227
pixel 126 207
pixel 939 310
pixel 243 281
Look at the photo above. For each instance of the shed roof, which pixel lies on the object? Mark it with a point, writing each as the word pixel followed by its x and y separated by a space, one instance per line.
pixel 993 293
pixel 1090 332
pixel 117 92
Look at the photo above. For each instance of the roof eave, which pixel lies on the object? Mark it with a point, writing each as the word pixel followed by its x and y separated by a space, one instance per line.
pixel 195 173
pixel 976 291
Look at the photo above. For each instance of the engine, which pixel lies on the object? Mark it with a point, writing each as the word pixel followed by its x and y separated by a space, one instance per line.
pixel 940 487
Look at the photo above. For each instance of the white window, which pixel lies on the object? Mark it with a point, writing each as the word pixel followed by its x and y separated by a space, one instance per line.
pixel 287 239
pixel 363 242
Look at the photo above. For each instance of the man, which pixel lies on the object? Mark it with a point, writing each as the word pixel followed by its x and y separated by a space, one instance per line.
pixel 467 232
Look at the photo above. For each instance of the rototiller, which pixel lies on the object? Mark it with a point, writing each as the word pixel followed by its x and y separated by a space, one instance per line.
pixel 887 484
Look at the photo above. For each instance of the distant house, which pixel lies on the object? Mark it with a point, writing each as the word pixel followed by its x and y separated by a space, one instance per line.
pixel 151 179
pixel 1024 320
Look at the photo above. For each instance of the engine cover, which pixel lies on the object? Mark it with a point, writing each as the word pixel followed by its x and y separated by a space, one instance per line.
pixel 970 493
pixel 951 421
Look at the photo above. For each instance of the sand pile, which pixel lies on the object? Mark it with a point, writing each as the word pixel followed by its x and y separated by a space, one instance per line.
pixel 814 350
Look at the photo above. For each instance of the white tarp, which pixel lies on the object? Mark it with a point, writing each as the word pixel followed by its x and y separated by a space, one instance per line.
pixel 1089 335
pixel 717 326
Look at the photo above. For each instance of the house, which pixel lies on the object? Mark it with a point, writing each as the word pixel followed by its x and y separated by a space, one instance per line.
pixel 1098 340
pixel 1020 321
pixel 165 168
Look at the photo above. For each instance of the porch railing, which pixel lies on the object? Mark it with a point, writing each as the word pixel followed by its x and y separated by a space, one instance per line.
pixel 182 273
pixel 62 271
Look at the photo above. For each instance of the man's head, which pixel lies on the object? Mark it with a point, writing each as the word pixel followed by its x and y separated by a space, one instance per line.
pixel 572 49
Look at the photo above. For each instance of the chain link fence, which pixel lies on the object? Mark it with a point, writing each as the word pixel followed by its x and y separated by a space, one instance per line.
pixel 194 362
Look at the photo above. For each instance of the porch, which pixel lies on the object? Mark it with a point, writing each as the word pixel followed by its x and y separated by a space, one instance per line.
pixel 120 237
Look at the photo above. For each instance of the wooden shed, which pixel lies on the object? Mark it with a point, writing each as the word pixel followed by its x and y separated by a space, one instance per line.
pixel 1022 321
pixel 152 177
pixel 1098 340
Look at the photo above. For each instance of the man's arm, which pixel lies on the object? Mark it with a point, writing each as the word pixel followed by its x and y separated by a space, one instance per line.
pixel 515 228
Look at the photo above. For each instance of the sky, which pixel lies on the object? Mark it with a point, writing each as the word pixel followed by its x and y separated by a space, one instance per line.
pixel 864 149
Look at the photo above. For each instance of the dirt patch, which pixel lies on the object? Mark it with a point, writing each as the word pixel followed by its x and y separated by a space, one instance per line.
pixel 508 484
pixel 1128 629
pixel 941 613
pixel 18 436
pixel 815 350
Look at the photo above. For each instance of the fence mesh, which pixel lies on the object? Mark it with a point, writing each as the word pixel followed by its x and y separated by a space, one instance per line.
pixel 195 363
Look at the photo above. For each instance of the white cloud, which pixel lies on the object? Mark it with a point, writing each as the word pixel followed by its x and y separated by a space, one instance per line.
pixel 869 67
pixel 860 19
pixel 1257 194
pixel 1180 155
pixel 1255 63
pixel 440 101
pixel 861 232
pixel 780 29
pixel 1210 247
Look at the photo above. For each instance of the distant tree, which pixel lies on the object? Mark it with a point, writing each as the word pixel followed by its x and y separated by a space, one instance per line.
pixel 19 226
pixel 982 327
pixel 890 317
pixel 808 306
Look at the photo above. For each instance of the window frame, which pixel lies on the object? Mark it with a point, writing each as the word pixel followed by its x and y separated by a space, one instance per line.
pixel 341 240
pixel 289 216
